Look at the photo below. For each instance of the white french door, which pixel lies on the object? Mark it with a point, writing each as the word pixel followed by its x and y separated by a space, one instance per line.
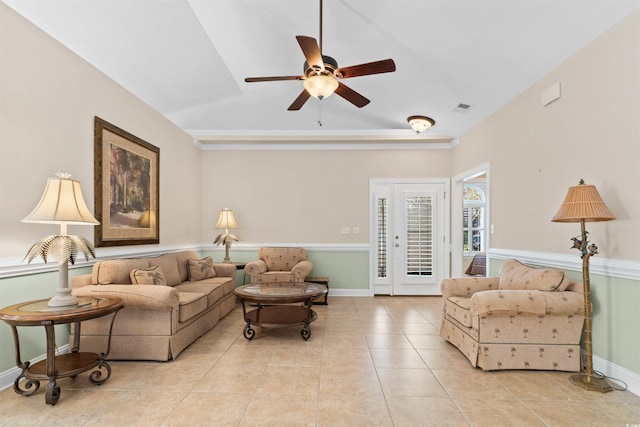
pixel 408 241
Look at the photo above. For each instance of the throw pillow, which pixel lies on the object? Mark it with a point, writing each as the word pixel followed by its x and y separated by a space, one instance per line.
pixel 515 275
pixel 200 269
pixel 148 276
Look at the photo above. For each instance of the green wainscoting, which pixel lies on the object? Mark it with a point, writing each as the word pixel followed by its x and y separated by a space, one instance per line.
pixel 29 287
pixel 348 270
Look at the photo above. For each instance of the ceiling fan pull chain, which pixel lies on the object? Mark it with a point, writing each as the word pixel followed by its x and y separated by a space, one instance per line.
pixel 320 113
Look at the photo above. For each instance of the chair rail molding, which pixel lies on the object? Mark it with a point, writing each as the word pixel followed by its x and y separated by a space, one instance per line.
pixel 623 269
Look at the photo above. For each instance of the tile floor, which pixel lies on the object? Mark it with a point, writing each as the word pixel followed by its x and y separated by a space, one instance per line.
pixel 370 362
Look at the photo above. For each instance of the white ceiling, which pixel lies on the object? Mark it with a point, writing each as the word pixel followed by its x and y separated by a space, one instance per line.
pixel 188 59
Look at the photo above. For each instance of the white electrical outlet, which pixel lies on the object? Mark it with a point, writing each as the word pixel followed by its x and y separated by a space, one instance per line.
pixel 355 230
pixel 345 230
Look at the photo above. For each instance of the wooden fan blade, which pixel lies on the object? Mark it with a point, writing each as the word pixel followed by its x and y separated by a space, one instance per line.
pixel 351 95
pixel 272 79
pixel 300 100
pixel 376 67
pixel 311 51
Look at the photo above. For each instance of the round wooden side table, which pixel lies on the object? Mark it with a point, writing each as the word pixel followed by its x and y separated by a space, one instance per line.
pixel 37 313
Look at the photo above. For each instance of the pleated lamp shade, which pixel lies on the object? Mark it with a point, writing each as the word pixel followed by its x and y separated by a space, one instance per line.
pixel 61 203
pixel 226 219
pixel 583 202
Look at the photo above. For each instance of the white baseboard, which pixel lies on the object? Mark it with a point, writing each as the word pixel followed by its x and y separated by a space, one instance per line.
pixel 615 372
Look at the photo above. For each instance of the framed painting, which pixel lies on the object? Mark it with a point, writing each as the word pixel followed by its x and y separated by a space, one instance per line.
pixel 126 187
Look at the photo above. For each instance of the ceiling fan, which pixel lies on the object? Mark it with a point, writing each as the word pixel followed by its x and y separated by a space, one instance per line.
pixel 321 74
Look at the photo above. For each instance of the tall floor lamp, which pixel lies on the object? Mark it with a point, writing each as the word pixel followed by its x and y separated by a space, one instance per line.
pixel 62 203
pixel 584 204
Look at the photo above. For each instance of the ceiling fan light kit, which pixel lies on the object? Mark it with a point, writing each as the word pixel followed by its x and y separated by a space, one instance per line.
pixel 320 86
pixel 420 123
pixel 321 74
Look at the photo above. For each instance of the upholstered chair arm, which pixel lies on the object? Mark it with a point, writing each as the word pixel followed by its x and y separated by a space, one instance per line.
pixel 148 297
pixel 301 270
pixel 225 269
pixel 508 302
pixel 567 302
pixel 512 302
pixel 467 286
pixel 254 269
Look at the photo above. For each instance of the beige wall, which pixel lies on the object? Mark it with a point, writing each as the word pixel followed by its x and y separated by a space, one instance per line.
pixel 591 132
pixel 304 196
pixel 49 99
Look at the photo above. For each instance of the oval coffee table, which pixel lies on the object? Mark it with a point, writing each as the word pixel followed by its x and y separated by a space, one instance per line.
pixel 272 310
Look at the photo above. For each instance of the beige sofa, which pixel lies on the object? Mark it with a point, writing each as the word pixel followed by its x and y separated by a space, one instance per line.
pixel 170 301
pixel 527 318
pixel 279 265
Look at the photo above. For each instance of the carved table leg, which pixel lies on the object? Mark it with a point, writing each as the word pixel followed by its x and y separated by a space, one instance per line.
pixel 53 391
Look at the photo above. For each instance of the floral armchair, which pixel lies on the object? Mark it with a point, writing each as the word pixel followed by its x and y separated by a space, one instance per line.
pixel 528 318
pixel 279 265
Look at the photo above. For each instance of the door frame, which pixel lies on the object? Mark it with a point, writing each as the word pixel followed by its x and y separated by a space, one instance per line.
pixel 457 207
pixel 376 185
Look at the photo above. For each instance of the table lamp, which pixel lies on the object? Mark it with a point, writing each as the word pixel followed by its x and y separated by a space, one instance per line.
pixel 226 221
pixel 62 203
pixel 581 204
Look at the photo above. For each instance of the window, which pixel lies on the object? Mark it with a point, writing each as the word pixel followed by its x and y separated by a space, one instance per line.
pixel 473 217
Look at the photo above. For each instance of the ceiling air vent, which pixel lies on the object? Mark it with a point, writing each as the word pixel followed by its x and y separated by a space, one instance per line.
pixel 463 106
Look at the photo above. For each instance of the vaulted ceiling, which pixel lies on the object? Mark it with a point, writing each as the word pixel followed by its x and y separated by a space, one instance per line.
pixel 189 59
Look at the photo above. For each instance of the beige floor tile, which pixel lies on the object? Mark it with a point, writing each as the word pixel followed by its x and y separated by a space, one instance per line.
pixel 137 408
pixel 310 356
pixel 471 383
pixel 396 358
pixel 223 378
pixel 209 409
pixel 358 381
pixel 351 410
pixel 281 410
pixel 290 379
pixel 344 340
pixel 354 357
pixel 413 328
pixel 388 341
pixel 425 411
pixel 387 328
pixel 427 341
pixel 370 361
pixel 491 413
pixel 409 382
pixel 526 385
pixel 573 413
pixel 445 359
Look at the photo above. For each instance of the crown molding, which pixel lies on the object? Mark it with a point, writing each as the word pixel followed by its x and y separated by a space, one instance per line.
pixel 317 140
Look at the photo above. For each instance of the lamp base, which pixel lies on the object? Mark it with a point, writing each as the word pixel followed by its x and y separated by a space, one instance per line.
pixel 591 383
pixel 63 298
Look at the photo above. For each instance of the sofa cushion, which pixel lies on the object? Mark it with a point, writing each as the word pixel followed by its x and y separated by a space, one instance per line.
pixel 116 271
pixel 169 265
pixel 191 304
pixel 183 269
pixel 148 276
pixel 200 269
pixel 516 276
pixel 213 288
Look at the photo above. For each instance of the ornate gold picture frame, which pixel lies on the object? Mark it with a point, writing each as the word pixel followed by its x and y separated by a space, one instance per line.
pixel 126 187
